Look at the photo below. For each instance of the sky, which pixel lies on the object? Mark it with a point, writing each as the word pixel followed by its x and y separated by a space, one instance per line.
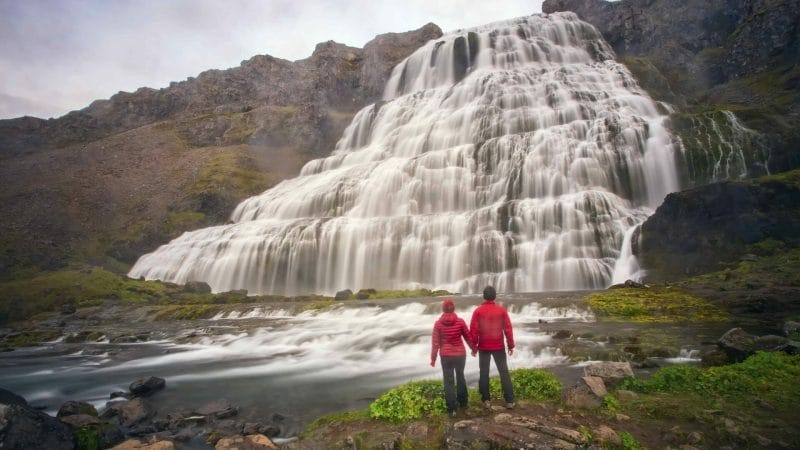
pixel 59 55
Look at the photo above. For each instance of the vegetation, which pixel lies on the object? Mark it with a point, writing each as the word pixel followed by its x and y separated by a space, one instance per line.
pixel 775 266
pixel 653 305
pixel 770 376
pixel 425 399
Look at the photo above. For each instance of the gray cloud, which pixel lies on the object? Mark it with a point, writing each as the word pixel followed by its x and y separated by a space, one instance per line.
pixel 62 55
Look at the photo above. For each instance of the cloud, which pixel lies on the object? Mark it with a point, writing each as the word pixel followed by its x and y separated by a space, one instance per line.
pixel 70 53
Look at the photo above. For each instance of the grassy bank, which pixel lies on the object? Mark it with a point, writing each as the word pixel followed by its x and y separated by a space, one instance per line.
pixel 654 304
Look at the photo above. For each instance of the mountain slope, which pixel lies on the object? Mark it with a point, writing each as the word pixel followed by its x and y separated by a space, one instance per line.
pixel 111 181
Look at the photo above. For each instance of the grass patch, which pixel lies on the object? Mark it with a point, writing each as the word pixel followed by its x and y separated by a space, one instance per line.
pixel 337 418
pixel 660 305
pixel 27 339
pixel 425 399
pixel 770 376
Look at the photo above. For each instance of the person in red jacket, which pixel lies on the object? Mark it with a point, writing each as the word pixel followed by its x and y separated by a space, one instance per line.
pixel 446 340
pixel 489 324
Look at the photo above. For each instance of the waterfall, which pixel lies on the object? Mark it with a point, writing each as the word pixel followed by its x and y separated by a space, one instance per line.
pixel 516 154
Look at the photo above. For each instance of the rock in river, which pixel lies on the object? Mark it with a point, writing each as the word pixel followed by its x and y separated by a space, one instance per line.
pixel 145 387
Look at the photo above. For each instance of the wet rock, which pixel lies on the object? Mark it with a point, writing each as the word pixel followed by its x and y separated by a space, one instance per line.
pixel 120 394
pixel 134 412
pixel 464 424
pixel 218 409
pixel 770 343
pixel 790 328
pixel 251 442
pixel 146 387
pixel 23 427
pixel 364 294
pixel 197 287
pixel 606 435
pixel 343 295
pixel 185 435
pixel 71 408
pixel 714 358
pixel 133 444
pixel 68 308
pixel 562 334
pixel 611 372
pixel 258 428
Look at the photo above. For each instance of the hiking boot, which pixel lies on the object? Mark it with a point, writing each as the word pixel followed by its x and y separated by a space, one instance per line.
pixel 487 404
pixel 510 405
pixel 453 414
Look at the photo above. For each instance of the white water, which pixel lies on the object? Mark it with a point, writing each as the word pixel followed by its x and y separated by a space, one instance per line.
pixel 516 154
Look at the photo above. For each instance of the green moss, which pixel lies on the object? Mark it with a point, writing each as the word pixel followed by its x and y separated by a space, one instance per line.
pixel 27 339
pixel 186 312
pixel 653 305
pixel 338 419
pixel 529 384
pixel 780 268
pixel 87 438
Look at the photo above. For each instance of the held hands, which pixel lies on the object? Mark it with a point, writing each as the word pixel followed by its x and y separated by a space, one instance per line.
pixel 433 363
pixel 510 351
pixel 474 353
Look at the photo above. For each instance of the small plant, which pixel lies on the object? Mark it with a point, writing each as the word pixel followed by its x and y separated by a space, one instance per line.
pixel 410 401
pixel 629 442
pixel 611 405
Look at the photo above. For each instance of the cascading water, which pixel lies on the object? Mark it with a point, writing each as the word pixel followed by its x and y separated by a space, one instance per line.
pixel 516 154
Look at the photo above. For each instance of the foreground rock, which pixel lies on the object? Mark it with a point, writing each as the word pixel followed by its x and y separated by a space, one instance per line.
pixel 739 344
pixel 22 427
pixel 133 444
pixel 611 372
pixel 251 442
pixel 587 393
pixel 72 408
pixel 147 386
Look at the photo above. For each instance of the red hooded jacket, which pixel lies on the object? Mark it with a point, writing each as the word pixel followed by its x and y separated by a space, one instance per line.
pixel 488 325
pixel 447 334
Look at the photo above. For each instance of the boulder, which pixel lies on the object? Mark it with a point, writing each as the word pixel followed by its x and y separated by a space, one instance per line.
pixel 587 393
pixel 606 435
pixel 343 295
pixel 80 420
pixel 133 444
pixel 363 294
pixel 134 412
pixel 197 287
pixel 790 328
pixel 713 358
pixel 250 442
pixel 562 334
pixel 770 343
pixel 71 408
pixel 259 428
pixel 611 372
pixel 22 427
pixel 145 387
pixel 737 344
pixel 218 409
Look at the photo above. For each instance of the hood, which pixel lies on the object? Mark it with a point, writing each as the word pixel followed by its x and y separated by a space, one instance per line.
pixel 448 318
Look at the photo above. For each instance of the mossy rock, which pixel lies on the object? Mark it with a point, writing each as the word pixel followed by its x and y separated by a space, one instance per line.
pixel 653 305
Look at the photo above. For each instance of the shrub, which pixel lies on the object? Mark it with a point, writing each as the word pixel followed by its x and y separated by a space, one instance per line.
pixel 410 401
pixel 529 384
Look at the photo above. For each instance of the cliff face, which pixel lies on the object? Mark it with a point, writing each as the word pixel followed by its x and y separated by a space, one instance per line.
pixel 712 227
pixel 703 57
pixel 113 180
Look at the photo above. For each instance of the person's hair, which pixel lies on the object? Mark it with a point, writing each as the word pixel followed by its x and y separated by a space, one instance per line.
pixel 489 293
pixel 448 306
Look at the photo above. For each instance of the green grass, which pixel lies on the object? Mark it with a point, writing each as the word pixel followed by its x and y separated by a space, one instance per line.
pixel 657 305
pixel 775 266
pixel 770 376
pixel 425 399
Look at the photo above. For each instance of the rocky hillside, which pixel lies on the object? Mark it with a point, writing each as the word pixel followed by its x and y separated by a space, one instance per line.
pixel 113 180
pixel 706 58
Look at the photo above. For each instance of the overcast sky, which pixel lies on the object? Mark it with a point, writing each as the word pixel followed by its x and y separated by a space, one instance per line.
pixel 60 55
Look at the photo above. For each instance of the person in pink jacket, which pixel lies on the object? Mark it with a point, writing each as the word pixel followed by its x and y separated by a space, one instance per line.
pixel 489 325
pixel 446 340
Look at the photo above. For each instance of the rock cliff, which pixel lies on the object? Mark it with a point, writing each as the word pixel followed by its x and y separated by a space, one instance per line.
pixel 703 57
pixel 113 180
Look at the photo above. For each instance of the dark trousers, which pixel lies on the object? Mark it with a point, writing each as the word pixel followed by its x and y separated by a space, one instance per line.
pixel 455 387
pixel 502 367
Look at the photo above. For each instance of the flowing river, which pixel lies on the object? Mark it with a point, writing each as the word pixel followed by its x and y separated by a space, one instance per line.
pixel 268 360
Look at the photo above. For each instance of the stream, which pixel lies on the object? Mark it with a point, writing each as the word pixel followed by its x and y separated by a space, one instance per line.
pixel 293 368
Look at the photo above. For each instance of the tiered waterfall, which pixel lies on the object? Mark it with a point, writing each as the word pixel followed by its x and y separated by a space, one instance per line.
pixel 518 154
